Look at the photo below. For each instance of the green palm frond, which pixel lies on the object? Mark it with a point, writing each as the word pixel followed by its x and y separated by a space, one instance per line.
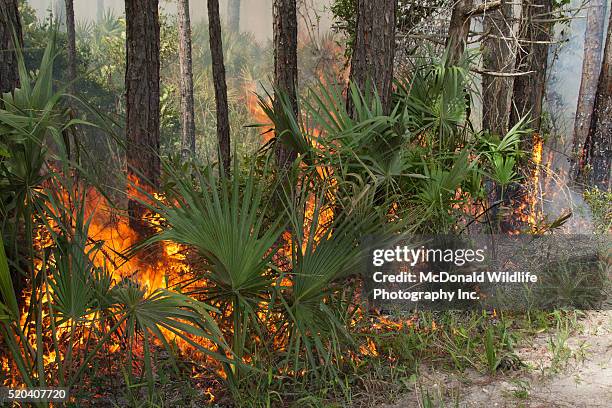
pixel 223 220
pixel 324 254
pixel 502 169
pixel 435 101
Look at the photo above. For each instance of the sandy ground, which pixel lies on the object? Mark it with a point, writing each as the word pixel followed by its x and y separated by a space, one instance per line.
pixel 580 376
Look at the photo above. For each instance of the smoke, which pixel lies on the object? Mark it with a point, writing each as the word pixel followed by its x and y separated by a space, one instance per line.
pixel 565 62
pixel 563 82
pixel 562 88
pixel 559 198
pixel 255 15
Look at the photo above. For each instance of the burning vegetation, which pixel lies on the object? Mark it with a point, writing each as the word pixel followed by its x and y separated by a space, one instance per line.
pixel 261 297
pixel 242 281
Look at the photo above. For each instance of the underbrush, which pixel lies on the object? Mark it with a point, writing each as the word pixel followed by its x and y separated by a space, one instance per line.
pixel 385 367
pixel 600 203
pixel 246 290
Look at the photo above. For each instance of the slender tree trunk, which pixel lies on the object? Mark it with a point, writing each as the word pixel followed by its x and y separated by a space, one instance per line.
pixel 374 50
pixel 285 67
pixel 100 9
pixel 591 65
pixel 10 24
pixel 10 28
pixel 458 30
pixel 532 60
pixel 598 146
pixel 218 68
pixel 233 15
pixel 71 31
pixel 186 68
pixel 497 56
pixel 72 68
pixel 142 100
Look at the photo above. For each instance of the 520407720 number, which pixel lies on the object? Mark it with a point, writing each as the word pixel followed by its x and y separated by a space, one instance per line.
pixel 34 394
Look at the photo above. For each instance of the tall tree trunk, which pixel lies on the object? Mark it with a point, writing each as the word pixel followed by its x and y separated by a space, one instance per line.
pixel 72 67
pixel 532 60
pixel 233 15
pixel 497 57
pixel 285 67
pixel 458 30
pixel 591 65
pixel 218 68
pixel 186 68
pixel 71 31
pixel 598 146
pixel 374 50
pixel 10 24
pixel 100 9
pixel 142 99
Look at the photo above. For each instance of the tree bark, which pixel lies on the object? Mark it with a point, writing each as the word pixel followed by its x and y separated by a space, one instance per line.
pixel 218 68
pixel 142 100
pixel 233 15
pixel 458 30
pixel 186 72
pixel 374 50
pixel 532 58
pixel 497 57
pixel 10 24
pixel 598 146
pixel 285 67
pixel 71 33
pixel 591 65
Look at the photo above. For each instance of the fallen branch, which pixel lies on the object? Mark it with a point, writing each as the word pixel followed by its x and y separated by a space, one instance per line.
pixel 502 74
pixel 521 40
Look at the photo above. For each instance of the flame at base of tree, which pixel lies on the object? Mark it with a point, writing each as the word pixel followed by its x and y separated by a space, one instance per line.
pixel 528 211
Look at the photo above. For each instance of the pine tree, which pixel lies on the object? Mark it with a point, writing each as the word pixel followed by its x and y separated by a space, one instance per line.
pixel 218 68
pixel 532 63
pixel 458 30
pixel 598 146
pixel 186 78
pixel 591 66
pixel 71 34
pixel 10 26
pixel 374 49
pixel 497 58
pixel 285 65
pixel 142 99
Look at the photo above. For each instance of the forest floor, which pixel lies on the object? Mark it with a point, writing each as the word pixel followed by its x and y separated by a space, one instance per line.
pixel 563 368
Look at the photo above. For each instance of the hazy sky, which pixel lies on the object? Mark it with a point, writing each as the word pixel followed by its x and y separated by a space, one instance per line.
pixel 256 15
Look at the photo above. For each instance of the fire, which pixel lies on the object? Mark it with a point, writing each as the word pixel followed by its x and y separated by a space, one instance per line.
pixel 384 323
pixel 532 201
pixel 258 116
pixel 527 208
pixel 329 69
pixel 114 231
pixel 109 228
pixel 369 348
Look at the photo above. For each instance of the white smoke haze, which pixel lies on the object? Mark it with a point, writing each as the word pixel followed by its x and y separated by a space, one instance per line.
pixel 557 196
pixel 562 88
pixel 255 15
